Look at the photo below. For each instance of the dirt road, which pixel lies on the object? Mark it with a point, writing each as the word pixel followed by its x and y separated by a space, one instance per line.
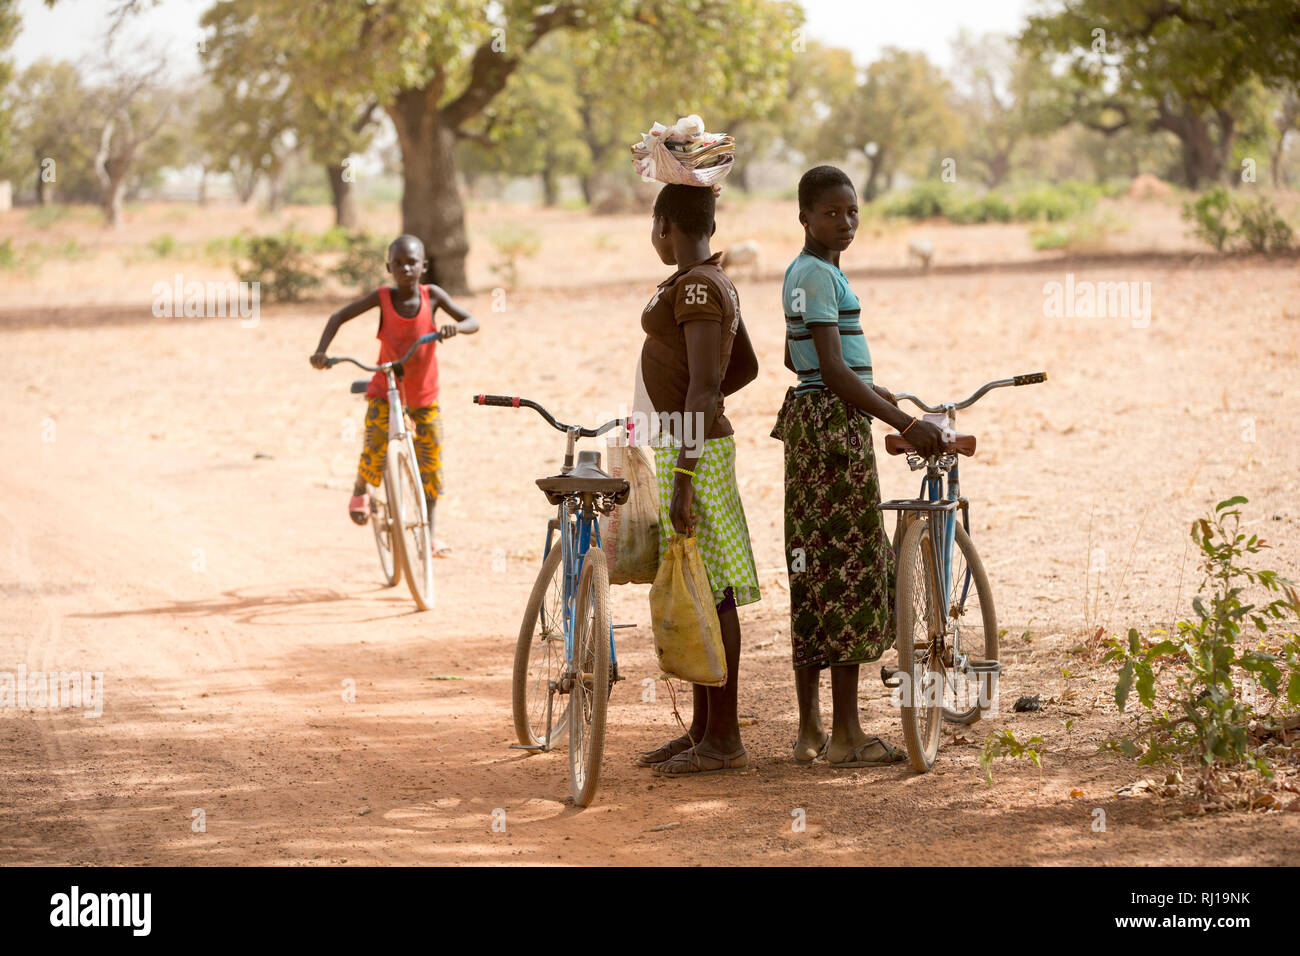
pixel 173 502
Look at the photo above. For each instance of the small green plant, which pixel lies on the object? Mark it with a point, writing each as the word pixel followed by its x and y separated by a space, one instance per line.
pixel 43 216
pixel 281 263
pixel 73 251
pixel 511 243
pixel 8 254
pixel 1003 743
pixel 987 208
pixel 1208 214
pixel 1262 228
pixel 163 246
pixel 362 265
pixel 1217 217
pixel 1086 234
pixel 1219 660
pixel 333 239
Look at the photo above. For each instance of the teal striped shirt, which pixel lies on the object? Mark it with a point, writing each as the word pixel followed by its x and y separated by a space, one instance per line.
pixel 818 293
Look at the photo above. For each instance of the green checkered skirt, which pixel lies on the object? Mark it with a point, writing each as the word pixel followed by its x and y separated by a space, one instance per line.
pixel 837 550
pixel 720 528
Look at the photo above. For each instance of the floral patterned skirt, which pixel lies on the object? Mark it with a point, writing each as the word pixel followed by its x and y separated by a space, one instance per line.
pixel 838 552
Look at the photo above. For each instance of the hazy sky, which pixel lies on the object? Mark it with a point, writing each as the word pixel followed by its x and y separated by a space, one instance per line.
pixel 73 28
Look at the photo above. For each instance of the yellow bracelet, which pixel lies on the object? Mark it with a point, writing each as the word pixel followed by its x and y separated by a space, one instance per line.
pixel 909 425
pixel 683 471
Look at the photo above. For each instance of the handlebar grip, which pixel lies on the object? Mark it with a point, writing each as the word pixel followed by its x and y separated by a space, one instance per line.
pixel 1033 378
pixel 430 337
pixel 503 401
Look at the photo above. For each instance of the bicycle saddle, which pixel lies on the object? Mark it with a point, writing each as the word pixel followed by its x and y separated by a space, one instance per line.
pixel 896 444
pixel 586 476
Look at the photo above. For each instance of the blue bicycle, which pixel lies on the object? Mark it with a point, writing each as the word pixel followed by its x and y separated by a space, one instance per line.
pixel 566 640
pixel 946 623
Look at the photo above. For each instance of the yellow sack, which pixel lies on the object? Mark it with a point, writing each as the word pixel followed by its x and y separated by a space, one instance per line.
pixel 630 535
pixel 688 638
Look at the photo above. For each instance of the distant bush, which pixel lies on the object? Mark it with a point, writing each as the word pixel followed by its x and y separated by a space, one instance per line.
pixel 163 246
pixel 1049 203
pixel 927 200
pixel 42 216
pixel 73 251
pixel 333 239
pixel 281 263
pixel 1262 227
pixel 987 208
pixel 1208 214
pixel 364 261
pixel 1052 203
pixel 8 254
pixel 1084 234
pixel 1217 217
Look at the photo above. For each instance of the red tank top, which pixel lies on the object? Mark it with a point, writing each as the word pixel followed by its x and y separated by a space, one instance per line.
pixel 419 383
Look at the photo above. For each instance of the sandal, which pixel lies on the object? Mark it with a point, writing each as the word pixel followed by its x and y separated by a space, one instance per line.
pixel 891 755
pixel 441 549
pixel 697 763
pixel 359 509
pixel 653 758
pixel 805 761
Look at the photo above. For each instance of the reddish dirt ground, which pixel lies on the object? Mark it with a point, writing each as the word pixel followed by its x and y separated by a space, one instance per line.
pixel 173 516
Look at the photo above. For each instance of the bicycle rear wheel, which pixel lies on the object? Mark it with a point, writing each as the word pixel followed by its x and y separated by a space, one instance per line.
pixel 974 622
pixel 540 657
pixel 411 525
pixel 918 646
pixel 589 698
pixel 381 522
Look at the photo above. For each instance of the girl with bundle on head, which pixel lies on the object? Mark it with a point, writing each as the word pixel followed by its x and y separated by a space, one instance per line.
pixel 696 351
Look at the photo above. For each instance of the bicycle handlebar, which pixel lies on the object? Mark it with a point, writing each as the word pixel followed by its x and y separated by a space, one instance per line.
pixel 1033 378
pixel 509 401
pixel 384 366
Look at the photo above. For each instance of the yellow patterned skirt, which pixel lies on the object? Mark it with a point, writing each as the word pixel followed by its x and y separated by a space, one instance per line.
pixel 428 445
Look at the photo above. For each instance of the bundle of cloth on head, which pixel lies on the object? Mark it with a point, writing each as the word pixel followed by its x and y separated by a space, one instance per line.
pixel 684 153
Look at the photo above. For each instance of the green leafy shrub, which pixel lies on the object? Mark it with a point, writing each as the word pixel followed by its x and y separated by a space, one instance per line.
pixel 363 264
pixel 8 254
pixel 926 200
pixel 1051 204
pixel 1217 216
pixel 1236 665
pixel 1003 743
pixel 42 216
pixel 333 239
pixel 1209 215
pixel 281 263
pixel 990 207
pixel 73 251
pixel 1262 227
pixel 163 246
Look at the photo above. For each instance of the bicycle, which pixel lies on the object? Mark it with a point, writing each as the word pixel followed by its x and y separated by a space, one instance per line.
pixel 945 632
pixel 409 552
pixel 566 639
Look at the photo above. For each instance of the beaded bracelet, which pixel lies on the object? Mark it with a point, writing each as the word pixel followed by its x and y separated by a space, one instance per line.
pixel 683 471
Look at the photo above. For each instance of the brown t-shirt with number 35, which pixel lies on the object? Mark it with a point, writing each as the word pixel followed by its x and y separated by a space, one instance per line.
pixel 700 291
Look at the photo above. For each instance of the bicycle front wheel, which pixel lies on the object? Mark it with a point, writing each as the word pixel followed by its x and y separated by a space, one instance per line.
pixel 974 622
pixel 589 698
pixel 539 658
pixel 919 654
pixel 381 522
pixel 411 525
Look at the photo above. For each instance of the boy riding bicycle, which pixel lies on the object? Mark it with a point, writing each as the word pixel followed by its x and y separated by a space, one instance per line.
pixel 405 313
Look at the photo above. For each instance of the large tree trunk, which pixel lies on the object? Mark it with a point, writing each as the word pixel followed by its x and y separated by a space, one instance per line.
pixel 345 201
pixel 111 167
pixel 275 188
pixel 431 203
pixel 873 172
pixel 1205 159
pixel 550 189
pixel 203 186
